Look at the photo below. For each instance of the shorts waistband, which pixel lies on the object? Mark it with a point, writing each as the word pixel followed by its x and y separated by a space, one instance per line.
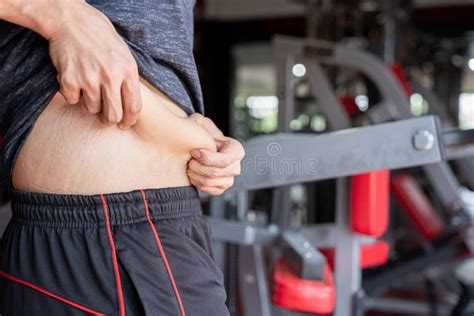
pixel 70 210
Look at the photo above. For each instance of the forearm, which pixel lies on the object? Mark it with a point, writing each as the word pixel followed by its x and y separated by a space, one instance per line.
pixel 41 16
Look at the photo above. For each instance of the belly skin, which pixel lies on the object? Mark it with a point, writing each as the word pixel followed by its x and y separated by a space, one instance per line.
pixel 70 152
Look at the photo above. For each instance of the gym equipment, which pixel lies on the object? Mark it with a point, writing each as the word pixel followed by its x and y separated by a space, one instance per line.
pixel 345 153
pixel 417 206
pixel 384 151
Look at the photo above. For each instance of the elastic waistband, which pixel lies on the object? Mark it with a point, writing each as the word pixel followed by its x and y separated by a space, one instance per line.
pixel 65 210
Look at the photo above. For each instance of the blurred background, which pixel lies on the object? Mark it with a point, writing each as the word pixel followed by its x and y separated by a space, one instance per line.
pixel 427 44
pixel 433 40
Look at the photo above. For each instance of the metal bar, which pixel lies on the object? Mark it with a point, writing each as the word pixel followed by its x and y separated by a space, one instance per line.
pixel 459 152
pixel 241 233
pixel 444 182
pixel 398 271
pixel 381 112
pixel 400 306
pixel 458 137
pixel 321 88
pixel 302 256
pixel 283 159
pixel 347 271
pixel 320 235
pixel 253 281
pixel 446 185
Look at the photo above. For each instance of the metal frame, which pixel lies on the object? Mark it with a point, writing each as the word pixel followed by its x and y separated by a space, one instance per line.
pixel 394 105
pixel 284 159
pixel 339 160
pixel 270 159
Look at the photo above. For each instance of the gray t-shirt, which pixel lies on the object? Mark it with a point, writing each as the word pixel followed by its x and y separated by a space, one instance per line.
pixel 158 32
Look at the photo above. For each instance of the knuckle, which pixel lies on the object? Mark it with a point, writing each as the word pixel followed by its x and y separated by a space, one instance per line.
pixel 208 121
pixel 68 83
pixel 91 83
pixel 132 67
pixel 197 117
pixel 134 108
pixel 111 74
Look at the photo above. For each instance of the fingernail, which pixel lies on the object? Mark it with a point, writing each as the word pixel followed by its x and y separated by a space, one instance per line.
pixel 196 153
pixel 122 126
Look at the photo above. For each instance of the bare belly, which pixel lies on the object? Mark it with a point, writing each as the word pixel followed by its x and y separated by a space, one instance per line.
pixel 69 151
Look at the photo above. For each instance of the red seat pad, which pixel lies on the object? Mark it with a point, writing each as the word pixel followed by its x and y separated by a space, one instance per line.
pixel 371 255
pixel 416 206
pixel 370 202
pixel 310 296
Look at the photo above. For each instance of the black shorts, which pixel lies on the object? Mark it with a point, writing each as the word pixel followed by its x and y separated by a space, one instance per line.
pixel 146 252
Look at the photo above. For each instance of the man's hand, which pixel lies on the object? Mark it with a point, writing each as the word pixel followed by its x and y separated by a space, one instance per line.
pixel 95 66
pixel 214 172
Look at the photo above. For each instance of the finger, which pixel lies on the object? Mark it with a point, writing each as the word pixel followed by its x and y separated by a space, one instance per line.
pixel 112 104
pixel 210 190
pixel 208 124
pixel 69 88
pixel 211 126
pixel 230 171
pixel 231 146
pixel 131 102
pixel 212 159
pixel 91 100
pixel 202 181
pixel 228 153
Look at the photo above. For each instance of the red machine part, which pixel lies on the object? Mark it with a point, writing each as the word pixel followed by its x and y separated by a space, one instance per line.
pixel 371 255
pixel 397 70
pixel 349 105
pixel 310 296
pixel 369 203
pixel 416 205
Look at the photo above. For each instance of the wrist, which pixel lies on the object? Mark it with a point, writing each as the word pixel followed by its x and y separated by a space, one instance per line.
pixel 45 17
pixel 48 16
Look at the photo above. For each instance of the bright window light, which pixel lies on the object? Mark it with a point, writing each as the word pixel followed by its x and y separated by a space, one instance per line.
pixel 470 63
pixel 299 70
pixel 466 110
pixel 262 106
